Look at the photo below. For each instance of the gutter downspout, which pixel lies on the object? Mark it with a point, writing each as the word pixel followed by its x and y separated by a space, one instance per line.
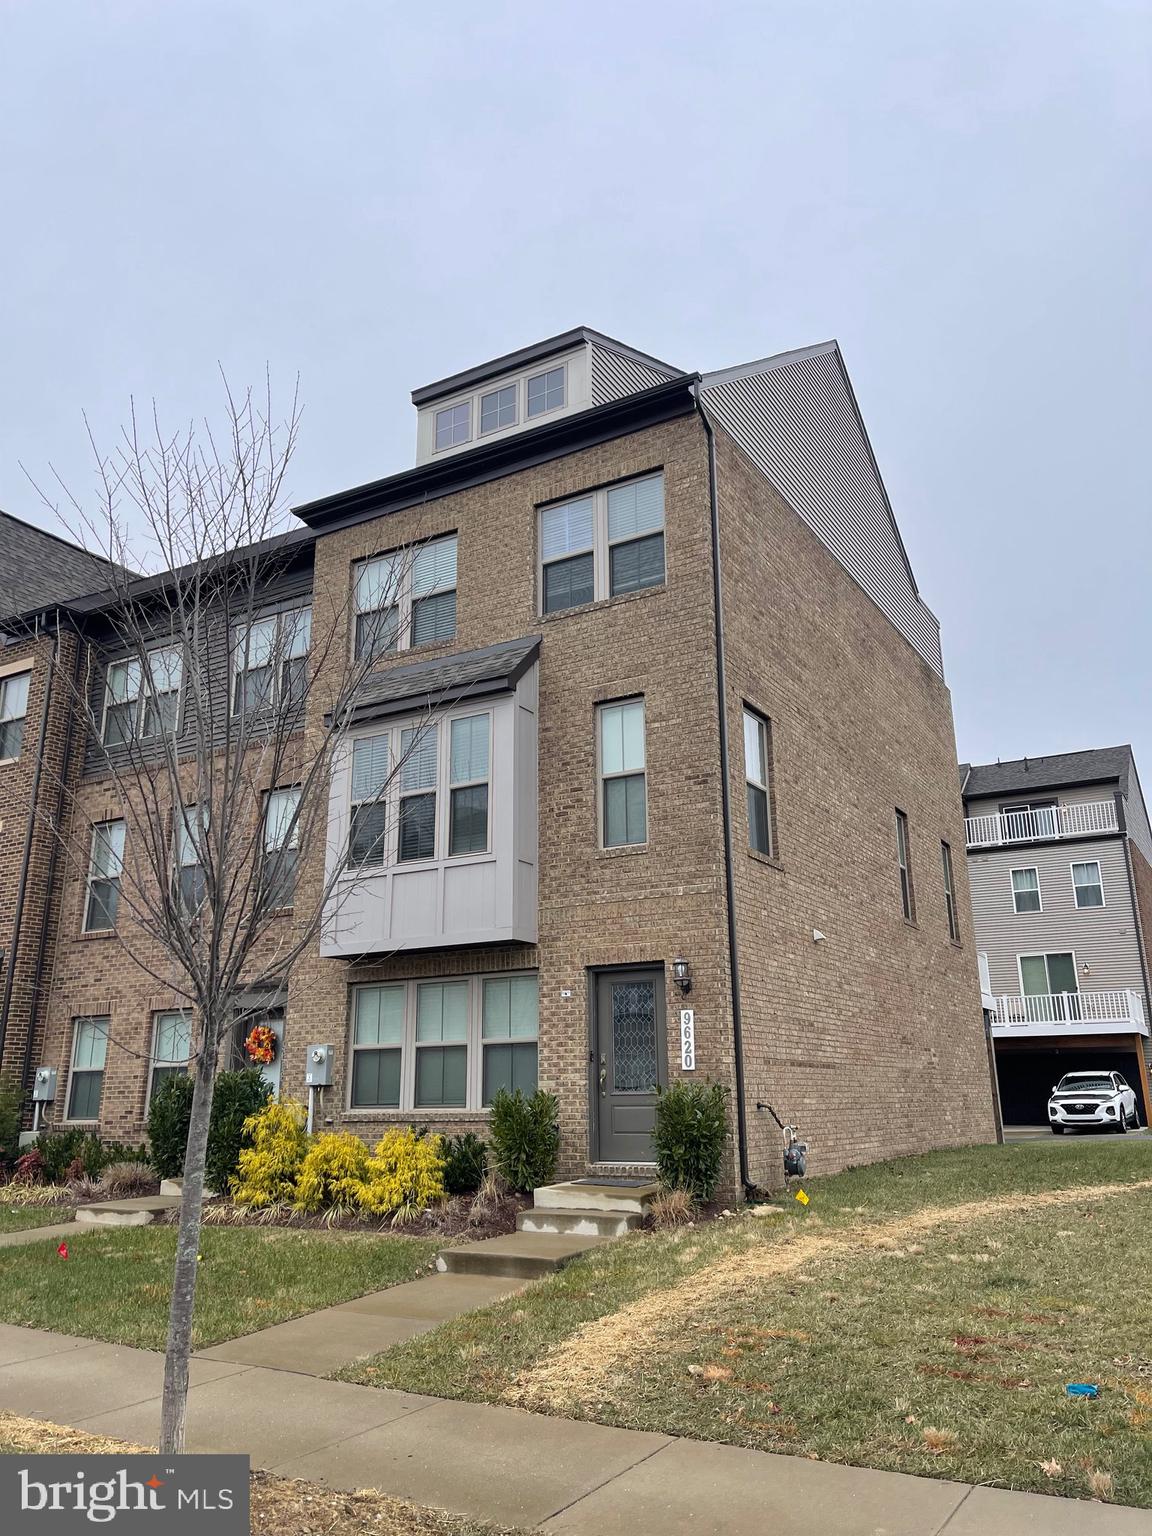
pixel 726 803
pixel 1142 952
pixel 26 860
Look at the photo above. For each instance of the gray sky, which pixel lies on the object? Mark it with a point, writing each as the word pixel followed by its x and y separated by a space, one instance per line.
pixel 374 195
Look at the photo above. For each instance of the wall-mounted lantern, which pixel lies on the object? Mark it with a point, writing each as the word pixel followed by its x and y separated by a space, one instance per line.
pixel 682 974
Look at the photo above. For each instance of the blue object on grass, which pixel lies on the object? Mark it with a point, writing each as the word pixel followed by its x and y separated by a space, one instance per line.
pixel 1082 1389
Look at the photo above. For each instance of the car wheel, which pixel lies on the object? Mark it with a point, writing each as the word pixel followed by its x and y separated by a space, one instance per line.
pixel 1057 1130
pixel 1122 1128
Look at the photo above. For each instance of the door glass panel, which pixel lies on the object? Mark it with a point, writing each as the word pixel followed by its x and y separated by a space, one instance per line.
pixel 634 1036
pixel 1062 974
pixel 1033 975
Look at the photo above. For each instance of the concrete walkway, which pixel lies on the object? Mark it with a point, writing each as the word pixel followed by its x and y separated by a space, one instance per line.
pixel 505 1465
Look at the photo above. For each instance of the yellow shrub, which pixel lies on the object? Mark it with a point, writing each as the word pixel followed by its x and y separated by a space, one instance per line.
pixel 275 1144
pixel 333 1173
pixel 405 1174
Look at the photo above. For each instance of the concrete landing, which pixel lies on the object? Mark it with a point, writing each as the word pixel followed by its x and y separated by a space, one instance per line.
pixel 125 1213
pixel 520 1255
pixel 629 1198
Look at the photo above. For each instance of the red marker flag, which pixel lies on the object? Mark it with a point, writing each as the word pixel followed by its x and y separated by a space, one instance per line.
pixel 62 1251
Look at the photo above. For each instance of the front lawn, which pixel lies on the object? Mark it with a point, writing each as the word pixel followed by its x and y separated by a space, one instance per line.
pixel 116 1285
pixel 924 1315
pixel 17 1218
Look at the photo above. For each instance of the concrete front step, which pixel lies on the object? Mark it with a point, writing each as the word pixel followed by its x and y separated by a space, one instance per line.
pixel 520 1255
pixel 124 1213
pixel 579 1223
pixel 620 1199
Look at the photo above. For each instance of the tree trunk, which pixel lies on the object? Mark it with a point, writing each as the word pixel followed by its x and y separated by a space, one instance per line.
pixel 174 1408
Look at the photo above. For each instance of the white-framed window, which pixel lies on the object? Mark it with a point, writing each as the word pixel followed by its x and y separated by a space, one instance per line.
pixel 904 863
pixel 498 408
pixel 281 845
pixel 105 867
pixel 13 712
pixel 453 425
pixel 191 841
pixel 1087 884
pixel 443 1043
pixel 605 543
pixel 1026 890
pixel 420 791
pixel 86 1074
pixel 171 1047
pixel 622 772
pixel 405 598
pixel 547 391
pixel 950 893
pixel 143 700
pixel 270 661
pixel 757 784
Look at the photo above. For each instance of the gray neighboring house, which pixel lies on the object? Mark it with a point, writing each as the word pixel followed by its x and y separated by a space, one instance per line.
pixel 38 568
pixel 1060 866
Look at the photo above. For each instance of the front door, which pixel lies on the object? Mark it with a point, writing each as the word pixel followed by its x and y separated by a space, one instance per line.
pixel 269 1071
pixel 630 1058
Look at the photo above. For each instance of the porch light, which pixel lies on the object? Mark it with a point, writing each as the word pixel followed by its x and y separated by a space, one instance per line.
pixel 682 974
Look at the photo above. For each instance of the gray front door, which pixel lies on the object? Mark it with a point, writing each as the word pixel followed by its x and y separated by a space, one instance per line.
pixel 630 1058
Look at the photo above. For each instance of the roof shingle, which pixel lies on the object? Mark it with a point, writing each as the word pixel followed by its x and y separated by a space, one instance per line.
pixel 1060 770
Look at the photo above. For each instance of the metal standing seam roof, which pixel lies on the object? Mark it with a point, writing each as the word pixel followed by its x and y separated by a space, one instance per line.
pixel 1061 769
pixel 446 680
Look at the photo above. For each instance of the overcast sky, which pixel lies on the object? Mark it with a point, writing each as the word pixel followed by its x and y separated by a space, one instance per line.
pixel 374 195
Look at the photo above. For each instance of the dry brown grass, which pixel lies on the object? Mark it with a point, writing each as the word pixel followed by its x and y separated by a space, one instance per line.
pixel 591 1365
pixel 672 1208
pixel 281 1506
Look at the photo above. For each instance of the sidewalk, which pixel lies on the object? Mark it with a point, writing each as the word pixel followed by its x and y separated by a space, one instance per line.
pixel 502 1464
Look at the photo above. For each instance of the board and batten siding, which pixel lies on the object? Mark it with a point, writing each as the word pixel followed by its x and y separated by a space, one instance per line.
pixel 796 419
pixel 1104 937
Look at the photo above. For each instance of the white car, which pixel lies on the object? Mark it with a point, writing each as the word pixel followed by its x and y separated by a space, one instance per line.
pixel 1095 1100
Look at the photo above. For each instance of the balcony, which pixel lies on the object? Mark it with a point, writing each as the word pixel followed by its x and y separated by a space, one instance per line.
pixel 1069 1013
pixel 995 830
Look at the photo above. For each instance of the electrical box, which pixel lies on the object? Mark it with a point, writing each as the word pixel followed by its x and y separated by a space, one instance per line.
pixel 44 1087
pixel 318 1067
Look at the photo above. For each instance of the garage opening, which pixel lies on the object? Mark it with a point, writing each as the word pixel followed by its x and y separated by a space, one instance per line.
pixel 1028 1076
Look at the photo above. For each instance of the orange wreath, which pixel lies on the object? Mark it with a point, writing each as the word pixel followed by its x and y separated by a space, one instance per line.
pixel 261 1045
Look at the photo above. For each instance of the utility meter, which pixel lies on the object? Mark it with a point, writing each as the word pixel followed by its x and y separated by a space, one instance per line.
pixel 318 1067
pixel 44 1087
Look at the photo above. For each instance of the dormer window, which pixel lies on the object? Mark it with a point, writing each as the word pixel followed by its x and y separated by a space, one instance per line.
pixel 454 425
pixel 498 409
pixel 546 391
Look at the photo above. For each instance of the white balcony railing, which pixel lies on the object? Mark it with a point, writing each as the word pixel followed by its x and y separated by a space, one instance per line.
pixel 1051 821
pixel 1045 1011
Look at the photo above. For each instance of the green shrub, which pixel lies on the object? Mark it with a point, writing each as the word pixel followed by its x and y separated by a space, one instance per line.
pixel 238 1096
pixel 691 1129
pixel 168 1117
pixel 77 1153
pixel 525 1138
pixel 11 1107
pixel 275 1143
pixel 465 1163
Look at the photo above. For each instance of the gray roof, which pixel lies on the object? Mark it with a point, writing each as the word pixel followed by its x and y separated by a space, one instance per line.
pixel 446 680
pixel 525 356
pixel 38 568
pixel 1060 770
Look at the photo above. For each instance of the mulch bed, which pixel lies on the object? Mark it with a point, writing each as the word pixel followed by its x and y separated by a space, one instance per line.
pixel 455 1218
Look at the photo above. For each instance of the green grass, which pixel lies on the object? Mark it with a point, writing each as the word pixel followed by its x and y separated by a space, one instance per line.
pixel 973 1331
pixel 17 1218
pixel 116 1285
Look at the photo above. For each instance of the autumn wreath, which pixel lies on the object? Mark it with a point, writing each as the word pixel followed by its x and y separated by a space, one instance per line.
pixel 261 1045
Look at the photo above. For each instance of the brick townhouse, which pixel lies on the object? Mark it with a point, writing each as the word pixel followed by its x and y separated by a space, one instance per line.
pixel 688 808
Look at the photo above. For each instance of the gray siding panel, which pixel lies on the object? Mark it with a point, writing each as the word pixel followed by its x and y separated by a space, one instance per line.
pixel 614 375
pixel 1136 815
pixel 1104 937
pixel 798 423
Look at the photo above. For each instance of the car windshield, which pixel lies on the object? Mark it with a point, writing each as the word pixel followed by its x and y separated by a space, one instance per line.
pixel 1085 1085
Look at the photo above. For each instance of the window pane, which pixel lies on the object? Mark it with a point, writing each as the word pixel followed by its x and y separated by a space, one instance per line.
pixel 624 812
pixel 280 806
pixel 1062 974
pixel 1033 975
pixel 442 1010
pixel 280 878
pixel 379 1016
pixel 378 582
pixel 108 848
pixel 119 724
pixel 546 391
pixel 755 767
pixel 566 530
pixel 1026 890
pixel 366 842
pixel 84 1095
pixel 296 633
pixel 568 583
pixel 622 737
pixel 11 737
pixel 193 887
pixel 468 832
pixel 418 756
pixel 469 758
pixel 418 827
pixel 91 1045
pixel 509 1067
pixel 498 409
pixel 453 425
pixel 253 690
pixel 123 682
pixel 511 1008
pixel 434 618
pixel 1089 891
pixel 636 508
pixel 173 1038
pixel 441 1076
pixel 758 829
pixel 375 1079
pixel 376 633
pixel 637 565
pixel 161 715
pixel 434 566
pixel 13 700
pixel 160 1073
pixel 103 905
pixel 371 766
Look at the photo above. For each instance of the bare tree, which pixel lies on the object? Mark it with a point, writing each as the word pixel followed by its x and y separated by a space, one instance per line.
pixel 212 703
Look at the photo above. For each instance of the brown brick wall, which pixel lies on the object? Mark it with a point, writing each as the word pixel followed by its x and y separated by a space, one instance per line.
pixel 870 1041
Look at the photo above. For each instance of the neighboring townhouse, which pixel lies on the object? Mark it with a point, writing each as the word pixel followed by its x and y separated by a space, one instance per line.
pixel 689 806
pixel 1060 867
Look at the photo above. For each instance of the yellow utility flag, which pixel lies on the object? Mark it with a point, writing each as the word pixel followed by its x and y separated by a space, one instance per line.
pixel 802 1197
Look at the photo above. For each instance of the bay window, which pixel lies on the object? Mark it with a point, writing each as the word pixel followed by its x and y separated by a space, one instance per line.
pixel 419 763
pixel 468 777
